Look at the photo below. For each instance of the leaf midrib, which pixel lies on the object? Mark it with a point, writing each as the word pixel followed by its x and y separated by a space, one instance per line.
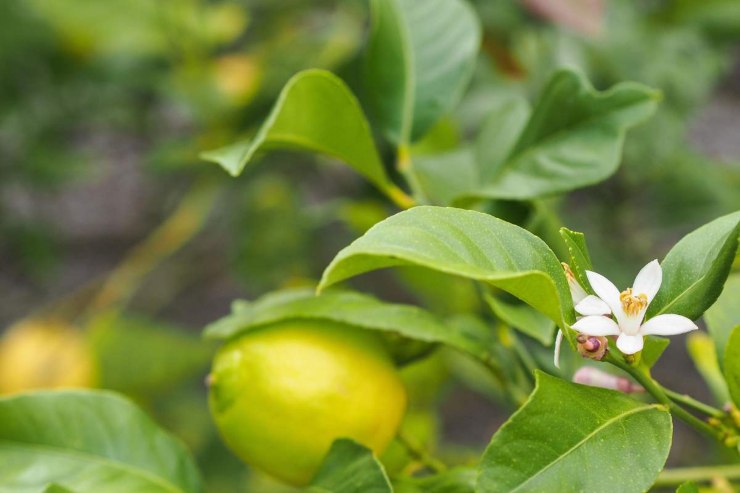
pixel 78 455
pixel 588 437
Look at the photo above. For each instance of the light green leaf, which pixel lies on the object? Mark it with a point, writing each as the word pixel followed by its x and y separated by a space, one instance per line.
pixel 724 314
pixel 350 468
pixel 420 57
pixel 460 480
pixel 464 243
pixel 696 268
pixel 446 177
pixel 544 445
pixel 88 442
pixel 315 112
pixel 732 365
pixel 499 134
pixel 579 258
pixel 702 352
pixel 523 318
pixel 689 487
pixel 573 138
pixel 345 307
pixel 55 488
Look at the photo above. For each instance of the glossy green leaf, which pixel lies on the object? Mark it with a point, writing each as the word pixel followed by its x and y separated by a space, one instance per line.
pixel 315 112
pixel 724 315
pixel 696 268
pixel 463 243
pixel 345 307
pixel 460 480
pixel 564 426
pixel 579 258
pixel 88 442
pixel 420 57
pixel 524 318
pixel 572 139
pixel 732 365
pixel 350 468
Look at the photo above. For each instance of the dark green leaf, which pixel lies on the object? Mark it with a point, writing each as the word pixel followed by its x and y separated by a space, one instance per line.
pixel 573 138
pixel 499 134
pixel 453 481
pixel 732 365
pixel 316 112
pixel 653 349
pixel 696 268
pixel 420 58
pixel 564 426
pixel 345 307
pixel 88 442
pixel 350 468
pixel 724 315
pixel 463 243
pixel 523 318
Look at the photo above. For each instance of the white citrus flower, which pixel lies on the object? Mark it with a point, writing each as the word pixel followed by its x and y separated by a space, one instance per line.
pixel 628 309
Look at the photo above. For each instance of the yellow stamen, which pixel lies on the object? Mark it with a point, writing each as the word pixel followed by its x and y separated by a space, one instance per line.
pixel 632 304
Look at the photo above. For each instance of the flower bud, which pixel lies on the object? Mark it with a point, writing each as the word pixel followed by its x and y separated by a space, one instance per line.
pixel 592 347
pixel 594 377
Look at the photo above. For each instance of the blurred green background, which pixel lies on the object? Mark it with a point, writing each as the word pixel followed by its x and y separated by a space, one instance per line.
pixel 112 228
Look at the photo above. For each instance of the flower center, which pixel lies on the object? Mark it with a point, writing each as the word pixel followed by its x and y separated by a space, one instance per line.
pixel 632 304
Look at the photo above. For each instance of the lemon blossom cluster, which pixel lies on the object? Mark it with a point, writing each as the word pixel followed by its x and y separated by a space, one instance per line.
pixel 614 313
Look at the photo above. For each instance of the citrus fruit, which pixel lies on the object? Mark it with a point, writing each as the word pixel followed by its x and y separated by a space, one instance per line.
pixel 282 394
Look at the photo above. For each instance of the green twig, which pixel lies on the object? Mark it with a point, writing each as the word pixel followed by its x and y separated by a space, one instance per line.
pixel 657 392
pixel 673 477
pixel 689 401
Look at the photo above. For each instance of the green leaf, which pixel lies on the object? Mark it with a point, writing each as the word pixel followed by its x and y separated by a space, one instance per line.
pixel 464 243
pixel 499 134
pixel 689 487
pixel 544 445
pixel 460 480
pixel 88 442
pixel 702 352
pixel 579 258
pixel 346 307
pixel 420 57
pixel 350 468
pixel 724 314
pixel 696 268
pixel 446 177
pixel 55 488
pixel 144 358
pixel 653 349
pixel 573 138
pixel 732 365
pixel 315 112
pixel 523 318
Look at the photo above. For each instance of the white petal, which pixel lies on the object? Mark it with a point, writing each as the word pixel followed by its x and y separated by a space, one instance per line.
pixel 648 280
pixel 667 325
pixel 596 326
pixel 576 291
pixel 593 305
pixel 629 344
pixel 558 342
pixel 605 290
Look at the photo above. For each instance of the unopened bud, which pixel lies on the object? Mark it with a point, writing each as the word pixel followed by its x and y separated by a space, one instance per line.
pixel 592 347
pixel 594 377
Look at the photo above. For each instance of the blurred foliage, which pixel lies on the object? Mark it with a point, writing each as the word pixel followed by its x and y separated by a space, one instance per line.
pixel 88 87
